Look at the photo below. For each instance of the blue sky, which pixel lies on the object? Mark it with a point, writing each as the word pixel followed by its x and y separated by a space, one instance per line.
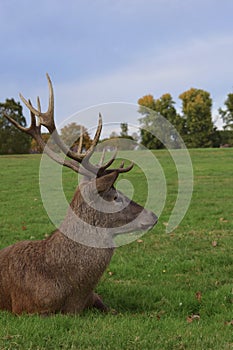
pixel 101 51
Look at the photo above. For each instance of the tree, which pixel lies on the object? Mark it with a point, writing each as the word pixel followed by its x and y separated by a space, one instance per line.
pixel 70 134
pixel 119 142
pixel 12 140
pixel 227 114
pixel 155 131
pixel 199 128
pixel 124 130
pixel 35 147
pixel 113 135
pixel 223 138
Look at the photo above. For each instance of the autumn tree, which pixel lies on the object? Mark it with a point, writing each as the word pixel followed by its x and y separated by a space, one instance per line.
pixel 35 147
pixel 12 140
pixel 196 108
pixel 227 113
pixel 156 132
pixel 70 134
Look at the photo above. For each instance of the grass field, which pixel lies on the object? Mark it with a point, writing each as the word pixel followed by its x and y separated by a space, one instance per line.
pixel 171 291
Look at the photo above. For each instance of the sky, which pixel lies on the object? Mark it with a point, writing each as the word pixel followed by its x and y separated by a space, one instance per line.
pixel 113 51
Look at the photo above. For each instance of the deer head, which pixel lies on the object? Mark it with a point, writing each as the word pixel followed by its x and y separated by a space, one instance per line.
pixel 98 212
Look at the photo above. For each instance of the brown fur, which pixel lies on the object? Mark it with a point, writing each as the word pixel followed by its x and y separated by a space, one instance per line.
pixel 59 274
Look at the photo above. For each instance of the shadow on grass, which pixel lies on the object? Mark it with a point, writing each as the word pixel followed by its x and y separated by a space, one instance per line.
pixel 132 299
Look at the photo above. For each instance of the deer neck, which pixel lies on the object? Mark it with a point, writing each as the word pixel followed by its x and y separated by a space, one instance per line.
pixel 75 261
pixel 82 225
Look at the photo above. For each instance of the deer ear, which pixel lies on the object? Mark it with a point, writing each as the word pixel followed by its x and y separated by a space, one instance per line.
pixel 104 183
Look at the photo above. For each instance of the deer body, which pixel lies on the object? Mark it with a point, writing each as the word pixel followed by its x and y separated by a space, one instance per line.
pixel 59 273
pixel 53 275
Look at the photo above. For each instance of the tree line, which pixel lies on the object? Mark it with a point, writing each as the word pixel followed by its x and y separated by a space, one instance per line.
pixel 194 124
pixel 13 141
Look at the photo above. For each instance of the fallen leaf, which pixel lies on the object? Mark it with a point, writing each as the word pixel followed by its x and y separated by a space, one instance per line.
pixel 214 243
pixel 229 323
pixel 9 336
pixel 191 318
pixel 24 228
pixel 223 220
pixel 198 296
pixel 110 273
pixel 139 240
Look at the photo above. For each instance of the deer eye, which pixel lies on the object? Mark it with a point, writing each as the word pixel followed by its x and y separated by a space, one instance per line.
pixel 117 198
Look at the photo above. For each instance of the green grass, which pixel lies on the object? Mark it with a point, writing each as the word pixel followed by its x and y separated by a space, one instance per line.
pixel 171 291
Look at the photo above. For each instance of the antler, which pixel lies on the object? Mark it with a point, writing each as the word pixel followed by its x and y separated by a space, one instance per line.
pixel 46 119
pixel 103 169
pixel 35 131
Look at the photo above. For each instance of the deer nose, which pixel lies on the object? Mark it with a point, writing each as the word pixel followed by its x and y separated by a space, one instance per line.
pixel 149 220
pixel 154 218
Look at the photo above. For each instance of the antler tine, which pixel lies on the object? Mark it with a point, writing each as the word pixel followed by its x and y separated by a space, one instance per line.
pixel 121 168
pixel 102 157
pixel 104 168
pixel 122 165
pixel 51 95
pixel 33 117
pixel 31 130
pixel 125 170
pixel 111 160
pixel 28 105
pixel 82 157
pixel 46 119
pixel 33 125
pixel 98 131
pixel 80 145
pixel 14 122
pixel 91 149
pixel 38 104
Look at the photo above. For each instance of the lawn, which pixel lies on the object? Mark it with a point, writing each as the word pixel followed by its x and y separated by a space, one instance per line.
pixel 171 291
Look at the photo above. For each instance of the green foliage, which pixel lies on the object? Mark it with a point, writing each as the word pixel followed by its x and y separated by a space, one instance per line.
pixel 12 140
pixel 124 130
pixel 195 125
pixel 122 142
pixel 227 114
pixel 196 107
pixel 35 147
pixel 155 131
pixel 171 291
pixel 118 142
pixel 223 138
pixel 70 134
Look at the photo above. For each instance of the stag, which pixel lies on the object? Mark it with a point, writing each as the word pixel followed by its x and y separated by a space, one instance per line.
pixel 60 273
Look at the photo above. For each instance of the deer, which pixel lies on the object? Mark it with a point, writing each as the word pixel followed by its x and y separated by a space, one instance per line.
pixel 59 274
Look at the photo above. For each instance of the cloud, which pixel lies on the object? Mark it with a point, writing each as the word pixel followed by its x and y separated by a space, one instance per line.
pixel 202 63
pixel 104 51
